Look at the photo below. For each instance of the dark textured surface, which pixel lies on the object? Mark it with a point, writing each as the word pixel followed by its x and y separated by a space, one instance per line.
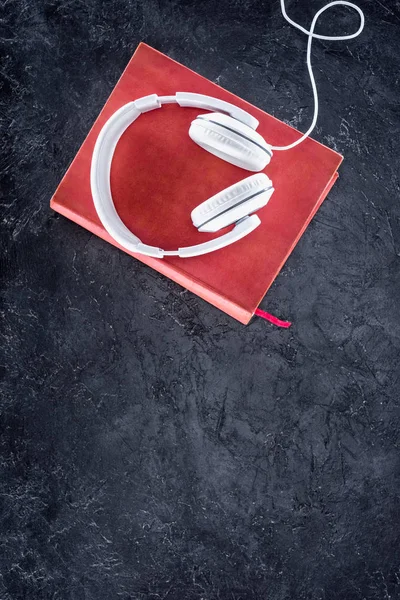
pixel 152 447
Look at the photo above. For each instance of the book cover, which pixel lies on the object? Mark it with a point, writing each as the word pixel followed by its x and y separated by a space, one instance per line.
pixel 159 175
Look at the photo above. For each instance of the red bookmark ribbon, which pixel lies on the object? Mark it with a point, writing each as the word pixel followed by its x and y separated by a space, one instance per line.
pixel 274 320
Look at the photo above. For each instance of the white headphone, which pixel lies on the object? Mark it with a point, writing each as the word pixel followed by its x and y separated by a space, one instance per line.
pixel 230 133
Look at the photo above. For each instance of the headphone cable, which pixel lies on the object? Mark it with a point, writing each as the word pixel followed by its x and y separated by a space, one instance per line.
pixel 311 35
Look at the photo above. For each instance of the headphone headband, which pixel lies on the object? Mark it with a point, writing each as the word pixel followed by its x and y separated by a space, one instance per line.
pixel 216 105
pixel 193 100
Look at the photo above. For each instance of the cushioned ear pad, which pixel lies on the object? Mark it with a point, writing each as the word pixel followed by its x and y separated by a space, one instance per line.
pixel 233 203
pixel 231 140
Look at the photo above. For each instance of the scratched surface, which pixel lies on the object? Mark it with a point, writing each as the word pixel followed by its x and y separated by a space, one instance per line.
pixel 152 447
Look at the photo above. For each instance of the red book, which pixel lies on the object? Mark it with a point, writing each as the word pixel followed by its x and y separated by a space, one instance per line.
pixel 159 175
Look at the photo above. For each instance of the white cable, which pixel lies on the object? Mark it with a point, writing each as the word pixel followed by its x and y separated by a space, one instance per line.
pixel 312 35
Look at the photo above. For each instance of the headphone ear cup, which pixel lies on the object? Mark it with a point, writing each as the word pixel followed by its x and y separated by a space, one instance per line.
pixel 231 140
pixel 233 203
